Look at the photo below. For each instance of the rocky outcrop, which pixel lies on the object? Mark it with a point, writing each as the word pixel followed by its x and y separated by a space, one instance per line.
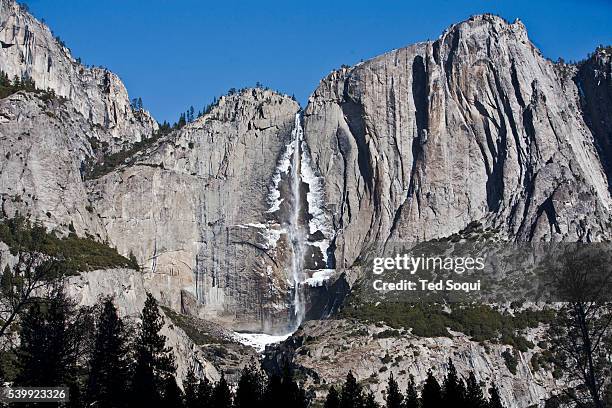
pixel 194 209
pixel 325 351
pixel 593 77
pixel 128 291
pixel 410 146
pixel 44 144
pixel 30 50
pixel 476 125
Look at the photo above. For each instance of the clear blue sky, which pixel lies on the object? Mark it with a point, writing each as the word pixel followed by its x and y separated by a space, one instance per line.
pixel 177 53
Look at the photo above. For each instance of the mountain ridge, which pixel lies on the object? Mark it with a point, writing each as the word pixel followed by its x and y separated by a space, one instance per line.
pixel 412 145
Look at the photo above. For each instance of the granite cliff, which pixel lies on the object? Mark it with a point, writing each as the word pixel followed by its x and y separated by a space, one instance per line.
pixel 256 215
pixel 477 125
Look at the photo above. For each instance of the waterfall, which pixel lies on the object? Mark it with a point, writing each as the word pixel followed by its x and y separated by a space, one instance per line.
pixel 295 230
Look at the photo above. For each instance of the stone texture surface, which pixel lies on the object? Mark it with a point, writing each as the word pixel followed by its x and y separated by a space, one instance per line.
pixel 476 125
pixel 128 290
pixel 194 211
pixel 43 145
pixel 412 145
pixel 29 49
pixel 325 351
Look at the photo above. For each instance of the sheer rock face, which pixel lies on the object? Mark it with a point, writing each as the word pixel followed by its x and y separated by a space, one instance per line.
pixel 594 80
pixel 476 125
pixel 412 145
pixel 43 145
pixel 29 50
pixel 194 210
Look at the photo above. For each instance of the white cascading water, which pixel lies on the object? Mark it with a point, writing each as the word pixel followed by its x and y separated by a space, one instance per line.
pixel 295 229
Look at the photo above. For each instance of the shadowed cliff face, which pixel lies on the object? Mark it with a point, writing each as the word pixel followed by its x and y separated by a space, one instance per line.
pixel 476 125
pixel 594 81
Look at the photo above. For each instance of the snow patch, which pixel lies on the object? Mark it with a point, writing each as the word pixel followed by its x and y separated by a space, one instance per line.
pixel 319 277
pixel 316 203
pixel 274 195
pixel 259 341
pixel 270 234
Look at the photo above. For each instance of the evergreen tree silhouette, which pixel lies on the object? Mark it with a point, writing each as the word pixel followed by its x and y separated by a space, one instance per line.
pixel 412 396
pixel 6 282
pixel 453 394
pixel 221 395
pixel 46 356
pixel 351 395
pixel 495 400
pixel 332 400
pixel 296 396
pixel 173 396
pixel 250 391
pixel 474 396
pixel 109 373
pixel 432 392
pixel 205 390
pixel 394 395
pixel 154 361
pixel 369 401
pixel 273 394
pixel 49 346
pixel 190 385
pixel 284 392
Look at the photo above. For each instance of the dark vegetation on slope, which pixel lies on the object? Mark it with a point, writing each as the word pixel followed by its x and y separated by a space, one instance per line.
pixel 108 361
pixel 9 87
pixel 480 322
pixel 74 254
pixel 192 328
pixel 452 391
pixel 107 161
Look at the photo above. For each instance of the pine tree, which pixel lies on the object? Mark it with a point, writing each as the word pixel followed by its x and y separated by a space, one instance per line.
pixel 50 346
pixel 190 385
pixel 495 400
pixel 6 282
pixel 47 353
pixel 181 122
pixel 154 361
pixel 109 367
pixel 412 396
pixel 273 397
pixel 432 393
pixel 293 394
pixel 205 390
pixel 249 393
pixel 332 400
pixel 173 396
pixel 474 396
pixel 351 395
pixel 394 395
pixel 284 392
pixel 221 395
pixel 370 401
pixel 453 394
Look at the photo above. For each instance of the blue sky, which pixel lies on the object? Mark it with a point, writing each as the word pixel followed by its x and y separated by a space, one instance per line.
pixel 177 53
